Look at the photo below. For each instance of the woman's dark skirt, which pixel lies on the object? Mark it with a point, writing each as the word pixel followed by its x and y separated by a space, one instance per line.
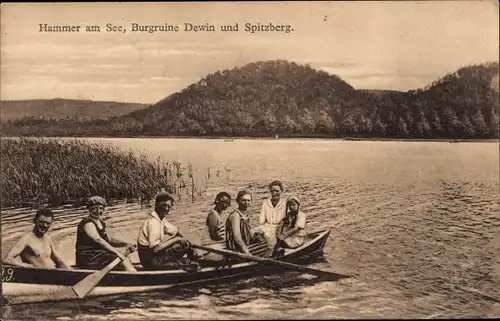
pixel 94 259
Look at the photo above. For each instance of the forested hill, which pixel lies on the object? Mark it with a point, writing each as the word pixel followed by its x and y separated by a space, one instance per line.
pixel 261 98
pixel 284 98
pixel 59 108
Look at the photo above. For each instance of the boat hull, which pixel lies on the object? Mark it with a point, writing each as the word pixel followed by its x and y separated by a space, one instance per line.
pixel 24 285
pixel 23 293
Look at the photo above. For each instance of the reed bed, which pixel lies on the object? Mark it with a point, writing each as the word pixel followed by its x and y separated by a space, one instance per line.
pixel 47 171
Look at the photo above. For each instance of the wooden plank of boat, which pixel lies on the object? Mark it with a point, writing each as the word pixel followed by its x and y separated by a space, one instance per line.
pixel 25 285
pixel 22 293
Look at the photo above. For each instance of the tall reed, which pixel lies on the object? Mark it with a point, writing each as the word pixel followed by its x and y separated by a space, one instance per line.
pixel 37 170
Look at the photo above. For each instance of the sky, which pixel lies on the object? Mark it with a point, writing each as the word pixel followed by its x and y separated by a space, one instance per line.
pixel 371 45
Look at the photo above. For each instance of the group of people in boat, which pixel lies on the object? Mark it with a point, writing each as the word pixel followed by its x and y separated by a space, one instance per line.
pixel 160 243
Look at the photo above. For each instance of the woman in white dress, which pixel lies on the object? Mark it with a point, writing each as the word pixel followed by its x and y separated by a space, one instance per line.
pixel 272 212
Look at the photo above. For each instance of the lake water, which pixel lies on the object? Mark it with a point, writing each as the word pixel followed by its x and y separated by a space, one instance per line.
pixel 417 222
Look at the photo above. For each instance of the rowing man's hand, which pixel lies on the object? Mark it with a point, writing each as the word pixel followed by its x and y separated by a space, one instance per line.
pixel 131 248
pixel 185 242
pixel 121 255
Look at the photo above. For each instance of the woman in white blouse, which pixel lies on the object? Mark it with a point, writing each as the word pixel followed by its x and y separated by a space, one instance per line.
pixel 271 213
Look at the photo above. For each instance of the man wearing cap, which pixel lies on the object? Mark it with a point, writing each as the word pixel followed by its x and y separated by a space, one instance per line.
pixel 35 248
pixel 160 244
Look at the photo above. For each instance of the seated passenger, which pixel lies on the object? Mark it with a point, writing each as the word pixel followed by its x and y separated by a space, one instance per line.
pixel 214 234
pixel 239 232
pixel 291 230
pixel 35 248
pixel 160 244
pixel 95 248
pixel 214 226
pixel 271 213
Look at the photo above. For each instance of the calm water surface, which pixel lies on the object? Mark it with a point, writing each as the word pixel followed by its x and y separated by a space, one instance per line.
pixel 418 223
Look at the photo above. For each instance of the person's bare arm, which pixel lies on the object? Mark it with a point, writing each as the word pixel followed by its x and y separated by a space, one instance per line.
pixel 118 241
pixel 262 215
pixel 57 258
pixel 235 223
pixel 280 229
pixel 13 256
pixel 165 244
pixel 213 226
pixel 299 225
pixel 289 233
pixel 91 231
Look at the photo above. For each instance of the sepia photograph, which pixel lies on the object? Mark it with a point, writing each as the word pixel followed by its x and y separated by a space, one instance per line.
pixel 250 160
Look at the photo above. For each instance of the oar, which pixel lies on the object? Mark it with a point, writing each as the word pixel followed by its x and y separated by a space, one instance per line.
pixel 291 266
pixel 86 285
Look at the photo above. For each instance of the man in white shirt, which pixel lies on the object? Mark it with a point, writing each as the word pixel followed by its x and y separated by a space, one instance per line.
pixel 160 245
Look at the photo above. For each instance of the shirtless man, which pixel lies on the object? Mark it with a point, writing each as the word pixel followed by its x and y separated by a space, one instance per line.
pixel 35 248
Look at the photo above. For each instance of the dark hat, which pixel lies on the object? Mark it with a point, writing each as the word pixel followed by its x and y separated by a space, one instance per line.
pixel 95 201
pixel 163 196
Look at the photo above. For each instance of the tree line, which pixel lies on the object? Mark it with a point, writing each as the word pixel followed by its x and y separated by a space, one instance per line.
pixel 283 98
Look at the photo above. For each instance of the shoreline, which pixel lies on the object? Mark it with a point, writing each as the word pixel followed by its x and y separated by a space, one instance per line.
pixel 233 138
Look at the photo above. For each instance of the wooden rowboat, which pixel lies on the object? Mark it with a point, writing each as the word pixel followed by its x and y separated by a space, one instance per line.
pixel 28 285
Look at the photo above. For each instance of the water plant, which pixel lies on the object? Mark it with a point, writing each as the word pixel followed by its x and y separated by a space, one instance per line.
pixel 49 171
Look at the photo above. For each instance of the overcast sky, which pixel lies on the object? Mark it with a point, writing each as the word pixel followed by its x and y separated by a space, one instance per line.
pixel 371 45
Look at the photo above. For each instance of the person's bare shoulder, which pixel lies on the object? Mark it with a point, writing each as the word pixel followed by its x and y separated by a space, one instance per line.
pixel 46 236
pixel 22 242
pixel 234 217
pixel 26 237
pixel 47 239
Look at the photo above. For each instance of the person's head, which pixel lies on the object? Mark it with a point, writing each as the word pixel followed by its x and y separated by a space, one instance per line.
pixel 163 202
pixel 276 188
pixel 292 205
pixel 222 201
pixel 43 220
pixel 244 200
pixel 96 206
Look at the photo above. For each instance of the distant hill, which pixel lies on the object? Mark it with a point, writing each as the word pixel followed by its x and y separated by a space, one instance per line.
pixel 260 98
pixel 280 97
pixel 64 108
pixel 462 104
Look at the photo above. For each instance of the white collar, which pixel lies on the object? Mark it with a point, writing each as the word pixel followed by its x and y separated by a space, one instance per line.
pixel 280 202
pixel 155 215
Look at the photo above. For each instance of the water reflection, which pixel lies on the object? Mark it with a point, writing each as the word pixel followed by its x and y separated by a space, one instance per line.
pixel 412 221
